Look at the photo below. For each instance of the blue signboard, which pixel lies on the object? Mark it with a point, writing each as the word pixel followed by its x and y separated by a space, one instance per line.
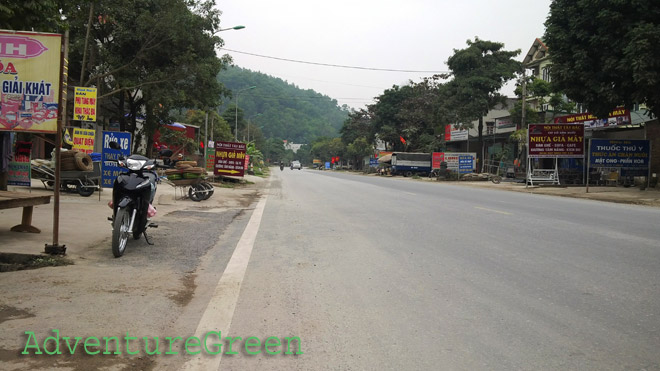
pixel 373 162
pixel 619 153
pixel 465 164
pixel 327 165
pixel 110 168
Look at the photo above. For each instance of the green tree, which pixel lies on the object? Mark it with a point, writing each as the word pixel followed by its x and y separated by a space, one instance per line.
pixel 389 119
pixel 358 125
pixel 479 72
pixel 126 62
pixel 22 15
pixel 358 150
pixel 605 53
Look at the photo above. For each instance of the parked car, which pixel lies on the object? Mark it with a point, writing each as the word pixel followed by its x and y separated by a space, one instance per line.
pixel 296 165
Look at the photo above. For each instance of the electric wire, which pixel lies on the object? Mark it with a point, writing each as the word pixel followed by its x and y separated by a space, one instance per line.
pixel 334 65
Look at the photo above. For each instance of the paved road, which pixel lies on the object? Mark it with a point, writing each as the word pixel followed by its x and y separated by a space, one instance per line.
pixel 386 273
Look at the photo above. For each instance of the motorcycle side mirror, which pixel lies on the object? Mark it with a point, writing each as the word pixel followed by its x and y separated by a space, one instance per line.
pixel 114 145
pixel 165 153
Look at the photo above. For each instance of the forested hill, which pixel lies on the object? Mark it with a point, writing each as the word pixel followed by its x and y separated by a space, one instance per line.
pixel 287 112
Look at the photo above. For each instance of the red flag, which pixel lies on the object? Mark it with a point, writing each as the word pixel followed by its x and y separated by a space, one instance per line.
pixel 402 140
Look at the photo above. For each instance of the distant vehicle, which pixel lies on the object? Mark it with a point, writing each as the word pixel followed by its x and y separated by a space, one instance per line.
pixel 409 163
pixel 296 165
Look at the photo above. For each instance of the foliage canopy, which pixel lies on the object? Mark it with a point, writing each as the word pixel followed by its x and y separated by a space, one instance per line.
pixel 605 53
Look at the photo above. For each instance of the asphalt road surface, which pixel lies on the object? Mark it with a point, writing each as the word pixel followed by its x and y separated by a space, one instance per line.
pixel 391 273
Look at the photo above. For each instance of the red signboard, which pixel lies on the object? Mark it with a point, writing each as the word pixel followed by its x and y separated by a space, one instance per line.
pixel 436 159
pixel 556 140
pixel 229 158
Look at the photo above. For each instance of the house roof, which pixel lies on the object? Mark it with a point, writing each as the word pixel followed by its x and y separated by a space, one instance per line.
pixel 538 51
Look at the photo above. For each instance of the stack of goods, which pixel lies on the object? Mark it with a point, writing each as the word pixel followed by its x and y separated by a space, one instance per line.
pixel 73 160
pixel 185 170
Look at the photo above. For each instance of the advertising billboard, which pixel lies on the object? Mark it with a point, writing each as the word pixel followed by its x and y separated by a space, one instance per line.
pixel 618 117
pixel 229 158
pixel 30 81
pixel 619 153
pixel 556 140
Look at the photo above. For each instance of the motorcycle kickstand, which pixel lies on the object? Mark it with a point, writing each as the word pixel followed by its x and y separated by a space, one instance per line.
pixel 146 238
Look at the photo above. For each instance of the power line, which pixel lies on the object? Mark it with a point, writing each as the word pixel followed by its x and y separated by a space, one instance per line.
pixel 333 65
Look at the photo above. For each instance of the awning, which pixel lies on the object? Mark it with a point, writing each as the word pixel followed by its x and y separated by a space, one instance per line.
pixel 385 159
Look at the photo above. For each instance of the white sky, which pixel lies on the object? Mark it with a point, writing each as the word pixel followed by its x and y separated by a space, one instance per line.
pixel 415 35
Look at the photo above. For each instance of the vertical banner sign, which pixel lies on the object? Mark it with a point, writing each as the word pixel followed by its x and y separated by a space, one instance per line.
pixel 247 162
pixel 30 80
pixel 556 140
pixel 110 168
pixel 84 104
pixel 83 140
pixel 210 156
pixel 229 158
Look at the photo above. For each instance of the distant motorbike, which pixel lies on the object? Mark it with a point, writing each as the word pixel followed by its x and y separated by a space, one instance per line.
pixel 281 167
pixel 132 195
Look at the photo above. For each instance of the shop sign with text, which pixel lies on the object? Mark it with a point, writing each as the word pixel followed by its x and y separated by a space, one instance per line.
pixel 619 153
pixel 556 140
pixel 30 81
pixel 229 158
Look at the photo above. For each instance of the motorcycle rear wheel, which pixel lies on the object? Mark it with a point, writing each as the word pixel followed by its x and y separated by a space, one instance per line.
pixel 120 232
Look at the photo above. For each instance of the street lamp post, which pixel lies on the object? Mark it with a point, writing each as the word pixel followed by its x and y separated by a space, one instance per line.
pixel 239 27
pixel 236 124
pixel 248 131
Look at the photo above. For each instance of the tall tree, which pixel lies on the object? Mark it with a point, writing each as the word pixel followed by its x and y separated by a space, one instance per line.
pixel 605 53
pixel 358 125
pixel 128 62
pixel 40 16
pixel 479 72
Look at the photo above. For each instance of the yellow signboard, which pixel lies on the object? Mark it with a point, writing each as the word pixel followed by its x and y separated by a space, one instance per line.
pixel 84 104
pixel 83 140
pixel 30 81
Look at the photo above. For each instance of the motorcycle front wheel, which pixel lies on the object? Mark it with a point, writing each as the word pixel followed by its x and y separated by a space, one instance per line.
pixel 120 232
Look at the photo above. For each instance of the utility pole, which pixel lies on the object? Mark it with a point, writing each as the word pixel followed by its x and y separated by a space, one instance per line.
pixel 524 94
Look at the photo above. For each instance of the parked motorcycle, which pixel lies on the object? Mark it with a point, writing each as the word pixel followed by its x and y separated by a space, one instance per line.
pixel 132 195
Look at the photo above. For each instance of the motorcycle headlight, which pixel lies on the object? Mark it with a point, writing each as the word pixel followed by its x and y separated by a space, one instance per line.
pixel 134 164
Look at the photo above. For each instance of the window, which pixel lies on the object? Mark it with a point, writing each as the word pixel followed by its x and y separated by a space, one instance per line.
pixel 546 74
pixel 490 128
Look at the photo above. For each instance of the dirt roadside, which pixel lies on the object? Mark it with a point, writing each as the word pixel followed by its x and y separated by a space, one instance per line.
pixel 143 292
pixel 631 195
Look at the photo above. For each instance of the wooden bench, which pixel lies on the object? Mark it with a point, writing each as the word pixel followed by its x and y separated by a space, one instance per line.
pixel 9 200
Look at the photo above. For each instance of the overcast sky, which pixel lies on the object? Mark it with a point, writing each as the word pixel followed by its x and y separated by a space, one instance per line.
pixel 417 35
